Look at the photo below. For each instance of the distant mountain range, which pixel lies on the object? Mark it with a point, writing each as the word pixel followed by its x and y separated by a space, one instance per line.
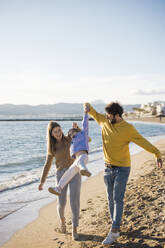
pixel 50 110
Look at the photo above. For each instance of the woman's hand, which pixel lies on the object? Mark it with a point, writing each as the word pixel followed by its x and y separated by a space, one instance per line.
pixel 40 187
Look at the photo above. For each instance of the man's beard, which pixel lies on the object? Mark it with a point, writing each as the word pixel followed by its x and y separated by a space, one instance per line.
pixel 113 121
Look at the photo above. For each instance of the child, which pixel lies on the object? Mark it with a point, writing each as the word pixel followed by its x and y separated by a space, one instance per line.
pixel 78 150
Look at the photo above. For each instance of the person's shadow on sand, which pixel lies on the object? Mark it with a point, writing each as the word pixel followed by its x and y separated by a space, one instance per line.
pixel 88 237
pixel 141 243
pixel 132 245
pixel 129 244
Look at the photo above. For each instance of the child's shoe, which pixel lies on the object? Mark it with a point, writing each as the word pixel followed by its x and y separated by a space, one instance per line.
pixel 55 190
pixel 85 173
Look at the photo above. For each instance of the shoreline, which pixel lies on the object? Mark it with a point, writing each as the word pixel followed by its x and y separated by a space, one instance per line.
pixel 146 119
pixel 91 191
pixel 151 119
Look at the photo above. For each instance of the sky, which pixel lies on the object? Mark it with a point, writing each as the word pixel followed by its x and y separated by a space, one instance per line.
pixel 79 51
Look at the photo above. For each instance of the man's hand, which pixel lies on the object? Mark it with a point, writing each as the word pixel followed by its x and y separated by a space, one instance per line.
pixel 40 187
pixel 159 163
pixel 86 107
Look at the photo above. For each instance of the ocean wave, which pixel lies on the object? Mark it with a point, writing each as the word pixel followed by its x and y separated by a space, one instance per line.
pixel 32 160
pixel 22 180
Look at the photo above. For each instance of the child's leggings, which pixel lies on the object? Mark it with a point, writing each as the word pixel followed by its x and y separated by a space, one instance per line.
pixel 79 164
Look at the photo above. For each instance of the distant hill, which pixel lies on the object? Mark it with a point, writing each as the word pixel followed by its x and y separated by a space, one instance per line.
pixel 59 109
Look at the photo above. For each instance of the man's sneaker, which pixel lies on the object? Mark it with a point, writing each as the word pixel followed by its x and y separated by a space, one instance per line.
pixel 55 190
pixel 85 173
pixel 111 237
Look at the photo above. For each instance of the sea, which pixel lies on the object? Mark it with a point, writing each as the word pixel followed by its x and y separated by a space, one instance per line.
pixel 23 153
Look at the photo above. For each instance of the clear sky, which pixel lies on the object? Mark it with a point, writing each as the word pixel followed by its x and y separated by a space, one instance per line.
pixel 82 50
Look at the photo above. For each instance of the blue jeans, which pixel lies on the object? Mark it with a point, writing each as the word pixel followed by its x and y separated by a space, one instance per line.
pixel 115 179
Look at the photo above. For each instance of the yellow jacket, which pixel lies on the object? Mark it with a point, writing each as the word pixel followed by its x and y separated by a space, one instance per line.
pixel 116 138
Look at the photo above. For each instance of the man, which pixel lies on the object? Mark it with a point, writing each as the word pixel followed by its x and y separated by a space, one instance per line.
pixel 116 136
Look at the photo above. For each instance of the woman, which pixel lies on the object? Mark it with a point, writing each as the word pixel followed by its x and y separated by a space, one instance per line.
pixel 58 146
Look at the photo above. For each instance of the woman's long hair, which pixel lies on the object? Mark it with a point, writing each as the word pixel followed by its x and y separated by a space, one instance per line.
pixel 51 141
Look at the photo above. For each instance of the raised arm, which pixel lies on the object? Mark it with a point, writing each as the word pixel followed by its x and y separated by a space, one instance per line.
pixel 85 123
pixel 100 118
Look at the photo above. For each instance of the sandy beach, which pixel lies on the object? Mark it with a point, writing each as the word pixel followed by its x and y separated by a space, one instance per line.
pixel 146 119
pixel 143 223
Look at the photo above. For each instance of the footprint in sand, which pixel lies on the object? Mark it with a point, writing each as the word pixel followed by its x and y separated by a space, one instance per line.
pixel 83 209
pixel 89 201
pixel 93 222
pixel 60 242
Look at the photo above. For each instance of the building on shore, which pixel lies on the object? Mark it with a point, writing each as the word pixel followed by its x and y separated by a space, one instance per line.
pixel 154 108
pixel 150 109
